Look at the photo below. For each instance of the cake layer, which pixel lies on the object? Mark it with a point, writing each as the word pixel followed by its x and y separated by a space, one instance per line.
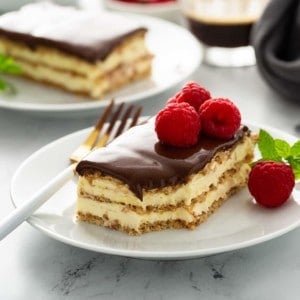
pixel 106 188
pixel 93 87
pixel 185 216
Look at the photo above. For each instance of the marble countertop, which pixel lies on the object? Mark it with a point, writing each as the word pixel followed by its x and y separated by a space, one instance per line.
pixel 35 266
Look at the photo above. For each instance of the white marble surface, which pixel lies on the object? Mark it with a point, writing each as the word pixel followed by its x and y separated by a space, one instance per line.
pixel 37 267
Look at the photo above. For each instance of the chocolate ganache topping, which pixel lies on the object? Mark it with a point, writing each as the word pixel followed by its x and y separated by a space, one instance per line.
pixel 86 34
pixel 140 160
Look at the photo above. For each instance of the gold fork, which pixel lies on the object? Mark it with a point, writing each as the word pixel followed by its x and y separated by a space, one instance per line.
pixel 114 128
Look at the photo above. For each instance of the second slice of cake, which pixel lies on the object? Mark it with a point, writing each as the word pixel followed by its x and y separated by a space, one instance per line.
pixel 81 51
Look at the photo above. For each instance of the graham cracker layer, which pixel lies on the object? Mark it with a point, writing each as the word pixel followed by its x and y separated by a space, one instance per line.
pixel 170 207
pixel 95 88
pixel 116 216
pixel 156 226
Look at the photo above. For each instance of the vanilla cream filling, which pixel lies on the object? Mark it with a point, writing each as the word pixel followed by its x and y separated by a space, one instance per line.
pixel 129 218
pixel 105 187
pixel 94 87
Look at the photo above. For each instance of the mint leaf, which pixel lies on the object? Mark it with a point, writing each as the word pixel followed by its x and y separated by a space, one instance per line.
pixel 2 85
pixel 295 149
pixel 295 164
pixel 13 69
pixel 282 148
pixel 7 87
pixel 266 146
pixel 8 66
pixel 279 150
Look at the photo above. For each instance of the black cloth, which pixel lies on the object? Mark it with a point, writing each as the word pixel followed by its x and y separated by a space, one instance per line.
pixel 276 41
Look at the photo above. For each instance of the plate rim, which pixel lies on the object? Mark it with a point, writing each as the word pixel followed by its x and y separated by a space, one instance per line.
pixel 147 254
pixel 91 104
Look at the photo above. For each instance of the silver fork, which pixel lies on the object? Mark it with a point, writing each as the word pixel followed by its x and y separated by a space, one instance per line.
pixel 113 129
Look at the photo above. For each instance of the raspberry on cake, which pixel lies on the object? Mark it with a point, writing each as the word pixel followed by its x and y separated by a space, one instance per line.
pixel 178 124
pixel 194 94
pixel 191 93
pixel 139 184
pixel 81 51
pixel 219 118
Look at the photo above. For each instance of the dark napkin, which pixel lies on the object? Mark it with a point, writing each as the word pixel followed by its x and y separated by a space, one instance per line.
pixel 276 40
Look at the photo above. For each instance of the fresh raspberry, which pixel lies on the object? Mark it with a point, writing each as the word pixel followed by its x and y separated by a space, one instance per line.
pixel 220 118
pixel 194 94
pixel 271 183
pixel 178 124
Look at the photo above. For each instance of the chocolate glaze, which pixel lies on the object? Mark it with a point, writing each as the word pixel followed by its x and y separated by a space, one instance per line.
pixel 141 161
pixel 86 34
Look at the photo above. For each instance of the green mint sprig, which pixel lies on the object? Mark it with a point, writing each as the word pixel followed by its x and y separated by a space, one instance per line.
pixel 279 150
pixel 8 66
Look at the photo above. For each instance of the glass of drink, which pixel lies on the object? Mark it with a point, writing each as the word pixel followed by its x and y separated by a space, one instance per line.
pixel 223 27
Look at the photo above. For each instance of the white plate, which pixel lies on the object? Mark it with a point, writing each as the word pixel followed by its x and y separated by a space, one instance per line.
pixel 237 224
pixel 177 55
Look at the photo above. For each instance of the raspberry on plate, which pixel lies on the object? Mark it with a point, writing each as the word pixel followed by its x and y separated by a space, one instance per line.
pixel 178 124
pixel 194 94
pixel 271 183
pixel 220 118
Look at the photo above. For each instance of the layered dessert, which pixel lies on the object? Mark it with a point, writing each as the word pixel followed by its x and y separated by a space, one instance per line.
pixel 141 183
pixel 81 51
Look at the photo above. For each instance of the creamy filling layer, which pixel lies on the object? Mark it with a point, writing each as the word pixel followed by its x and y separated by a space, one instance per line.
pixel 106 188
pixel 91 86
pixel 129 218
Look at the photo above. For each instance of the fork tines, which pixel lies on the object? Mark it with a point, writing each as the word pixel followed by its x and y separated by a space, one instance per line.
pixel 114 129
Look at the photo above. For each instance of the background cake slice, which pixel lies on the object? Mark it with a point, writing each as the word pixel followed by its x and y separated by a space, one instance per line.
pixel 86 52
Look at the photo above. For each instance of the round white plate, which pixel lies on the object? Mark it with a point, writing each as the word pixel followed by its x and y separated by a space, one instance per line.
pixel 177 55
pixel 237 224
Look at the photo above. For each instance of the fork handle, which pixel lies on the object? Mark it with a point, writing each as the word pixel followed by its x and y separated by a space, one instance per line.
pixel 22 212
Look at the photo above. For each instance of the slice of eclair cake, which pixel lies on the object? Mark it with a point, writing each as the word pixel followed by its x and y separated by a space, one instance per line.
pixel 81 51
pixel 140 183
